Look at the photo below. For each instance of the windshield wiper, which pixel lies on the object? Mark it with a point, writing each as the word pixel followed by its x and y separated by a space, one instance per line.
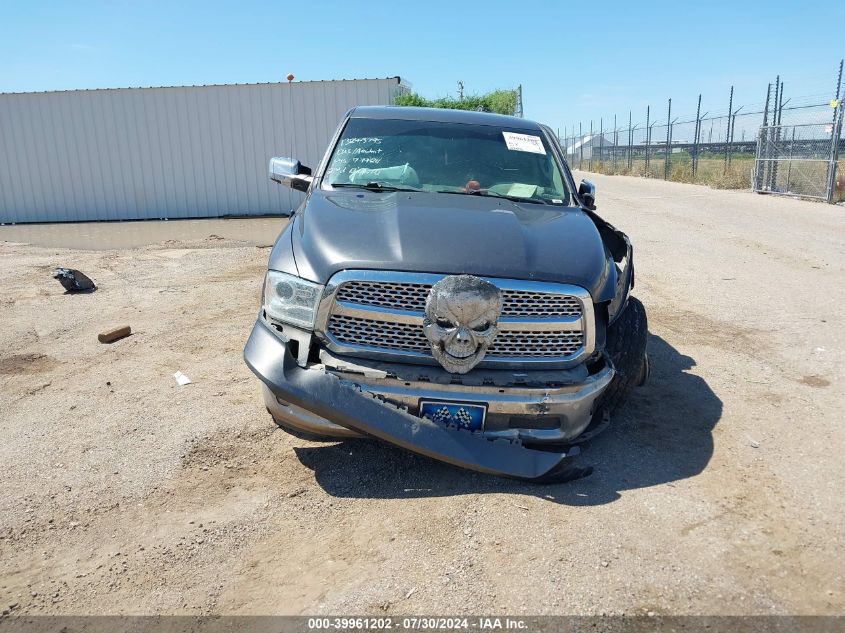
pixel 496 194
pixel 374 186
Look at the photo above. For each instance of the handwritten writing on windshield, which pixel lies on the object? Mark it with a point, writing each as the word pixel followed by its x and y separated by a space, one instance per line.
pixel 356 152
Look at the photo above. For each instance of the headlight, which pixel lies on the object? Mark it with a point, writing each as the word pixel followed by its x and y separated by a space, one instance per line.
pixel 289 299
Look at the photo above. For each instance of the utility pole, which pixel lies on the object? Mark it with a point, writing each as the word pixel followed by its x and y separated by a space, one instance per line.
pixel 460 90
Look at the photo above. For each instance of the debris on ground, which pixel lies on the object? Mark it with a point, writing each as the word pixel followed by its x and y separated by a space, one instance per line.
pixel 73 280
pixel 181 378
pixel 114 334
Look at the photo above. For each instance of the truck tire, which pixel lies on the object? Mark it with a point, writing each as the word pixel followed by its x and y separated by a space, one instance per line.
pixel 627 338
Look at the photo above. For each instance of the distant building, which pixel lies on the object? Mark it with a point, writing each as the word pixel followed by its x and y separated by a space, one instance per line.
pixel 588 143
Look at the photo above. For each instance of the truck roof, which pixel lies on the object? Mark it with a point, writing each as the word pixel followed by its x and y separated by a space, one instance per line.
pixel 442 115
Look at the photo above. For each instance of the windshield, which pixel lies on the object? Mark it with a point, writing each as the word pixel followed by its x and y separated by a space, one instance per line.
pixel 458 158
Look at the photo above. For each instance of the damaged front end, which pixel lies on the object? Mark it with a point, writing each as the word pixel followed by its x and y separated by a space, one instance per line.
pixel 471 324
pixel 336 397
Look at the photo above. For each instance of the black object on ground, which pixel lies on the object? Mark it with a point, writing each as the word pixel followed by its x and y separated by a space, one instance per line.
pixel 73 280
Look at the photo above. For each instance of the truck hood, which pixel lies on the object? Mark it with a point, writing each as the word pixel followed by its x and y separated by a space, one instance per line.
pixel 443 233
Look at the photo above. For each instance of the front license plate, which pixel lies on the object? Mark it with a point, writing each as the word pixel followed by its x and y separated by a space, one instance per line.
pixel 460 414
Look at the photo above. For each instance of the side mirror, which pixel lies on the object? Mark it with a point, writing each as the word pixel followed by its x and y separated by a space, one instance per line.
pixel 291 173
pixel 587 193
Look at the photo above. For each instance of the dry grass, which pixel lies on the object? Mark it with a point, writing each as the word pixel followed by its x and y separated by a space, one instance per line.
pixel 808 180
pixel 711 171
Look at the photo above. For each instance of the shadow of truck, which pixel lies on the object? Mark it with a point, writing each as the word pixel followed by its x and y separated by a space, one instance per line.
pixel 663 434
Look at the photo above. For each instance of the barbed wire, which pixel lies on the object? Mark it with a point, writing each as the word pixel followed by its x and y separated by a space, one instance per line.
pixel 787 135
pixel 818 96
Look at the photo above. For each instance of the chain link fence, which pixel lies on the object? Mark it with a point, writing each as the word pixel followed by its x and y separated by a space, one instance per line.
pixel 749 146
pixel 795 160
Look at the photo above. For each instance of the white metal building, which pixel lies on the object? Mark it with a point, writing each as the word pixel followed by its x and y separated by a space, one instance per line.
pixel 181 152
pixel 588 142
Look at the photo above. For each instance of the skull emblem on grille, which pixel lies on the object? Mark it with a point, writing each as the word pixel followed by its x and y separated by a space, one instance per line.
pixel 460 321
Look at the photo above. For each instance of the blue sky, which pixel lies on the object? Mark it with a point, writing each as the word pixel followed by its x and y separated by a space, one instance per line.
pixel 575 61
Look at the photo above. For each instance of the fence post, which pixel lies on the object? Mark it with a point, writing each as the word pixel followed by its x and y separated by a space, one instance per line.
pixel 630 142
pixel 766 108
pixel 834 159
pixel 565 142
pixel 779 113
pixel 728 130
pixel 647 136
pixel 769 138
pixel 770 175
pixel 590 168
pixel 695 138
pixel 601 143
pixel 668 139
pixel 615 143
pixel 731 141
pixel 835 133
pixel 838 88
pixel 760 163
pixel 580 146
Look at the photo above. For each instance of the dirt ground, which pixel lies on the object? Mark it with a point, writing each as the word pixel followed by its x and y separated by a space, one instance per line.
pixel 717 491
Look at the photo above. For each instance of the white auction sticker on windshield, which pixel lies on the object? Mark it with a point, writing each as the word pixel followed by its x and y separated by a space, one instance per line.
pixel 524 143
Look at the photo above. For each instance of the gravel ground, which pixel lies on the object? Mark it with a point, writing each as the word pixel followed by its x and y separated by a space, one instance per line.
pixel 718 490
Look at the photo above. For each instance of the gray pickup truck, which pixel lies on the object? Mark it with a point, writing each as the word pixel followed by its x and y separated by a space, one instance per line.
pixel 445 287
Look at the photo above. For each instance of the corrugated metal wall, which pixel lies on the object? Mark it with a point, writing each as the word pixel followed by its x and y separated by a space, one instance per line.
pixel 184 152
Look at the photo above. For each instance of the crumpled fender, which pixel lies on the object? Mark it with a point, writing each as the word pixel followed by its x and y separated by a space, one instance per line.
pixel 616 290
pixel 344 403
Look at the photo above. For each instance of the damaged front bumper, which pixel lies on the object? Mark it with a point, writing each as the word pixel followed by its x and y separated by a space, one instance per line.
pixel 343 399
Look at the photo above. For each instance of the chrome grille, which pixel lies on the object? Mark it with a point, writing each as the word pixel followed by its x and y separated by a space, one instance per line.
pixel 379 314
pixel 540 304
pixel 407 337
pixel 372 333
pixel 384 294
pixel 535 344
pixel 412 296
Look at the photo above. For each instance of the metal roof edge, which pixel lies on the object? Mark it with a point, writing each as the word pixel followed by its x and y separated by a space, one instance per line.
pixel 397 78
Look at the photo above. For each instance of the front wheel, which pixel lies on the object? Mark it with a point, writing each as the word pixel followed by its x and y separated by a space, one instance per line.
pixel 627 339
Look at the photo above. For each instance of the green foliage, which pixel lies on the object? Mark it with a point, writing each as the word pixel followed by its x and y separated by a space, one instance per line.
pixel 411 99
pixel 500 101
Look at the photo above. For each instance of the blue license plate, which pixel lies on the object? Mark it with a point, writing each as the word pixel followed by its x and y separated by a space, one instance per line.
pixel 459 414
